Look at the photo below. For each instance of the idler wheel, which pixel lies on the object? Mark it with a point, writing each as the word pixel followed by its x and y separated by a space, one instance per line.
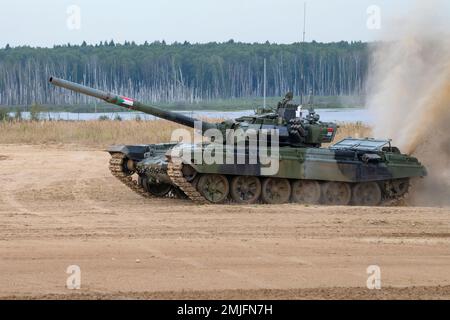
pixel 276 191
pixel 336 193
pixel 245 189
pixel 129 166
pixel 214 187
pixel 120 163
pixel 306 191
pixel 367 194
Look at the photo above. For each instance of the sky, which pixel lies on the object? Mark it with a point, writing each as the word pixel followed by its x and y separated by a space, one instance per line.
pixel 48 22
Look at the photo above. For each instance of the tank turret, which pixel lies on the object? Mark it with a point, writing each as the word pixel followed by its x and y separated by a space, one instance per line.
pixel 292 128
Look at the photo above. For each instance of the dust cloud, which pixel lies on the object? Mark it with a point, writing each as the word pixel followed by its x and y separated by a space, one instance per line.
pixel 409 94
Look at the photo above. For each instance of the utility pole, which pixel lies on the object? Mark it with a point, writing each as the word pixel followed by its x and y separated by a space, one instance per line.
pixel 303 43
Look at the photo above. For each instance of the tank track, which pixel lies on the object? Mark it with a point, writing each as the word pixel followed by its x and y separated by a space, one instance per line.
pixel 174 171
pixel 117 170
pixel 392 199
pixel 176 175
pixel 394 202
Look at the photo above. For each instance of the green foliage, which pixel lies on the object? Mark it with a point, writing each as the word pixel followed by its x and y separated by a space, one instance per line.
pixel 183 72
pixel 18 115
pixel 4 115
pixel 35 112
pixel 103 118
pixel 117 117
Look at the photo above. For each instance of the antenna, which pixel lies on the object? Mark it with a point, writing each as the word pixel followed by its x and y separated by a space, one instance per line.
pixel 304 21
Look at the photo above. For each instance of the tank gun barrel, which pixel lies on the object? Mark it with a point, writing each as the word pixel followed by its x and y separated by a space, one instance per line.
pixel 130 104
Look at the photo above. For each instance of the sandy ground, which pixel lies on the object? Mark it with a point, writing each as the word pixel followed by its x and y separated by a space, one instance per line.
pixel 59 206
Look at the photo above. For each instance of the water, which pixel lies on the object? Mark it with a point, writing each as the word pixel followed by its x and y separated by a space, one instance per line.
pixel 345 115
pixel 335 115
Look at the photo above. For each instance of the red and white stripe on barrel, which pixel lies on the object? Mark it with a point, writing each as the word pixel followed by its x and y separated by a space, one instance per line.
pixel 127 101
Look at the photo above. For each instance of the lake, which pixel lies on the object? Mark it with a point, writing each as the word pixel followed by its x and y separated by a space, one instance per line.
pixel 335 115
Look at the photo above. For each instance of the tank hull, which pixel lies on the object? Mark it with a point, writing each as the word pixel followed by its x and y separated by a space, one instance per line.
pixel 325 165
pixel 154 166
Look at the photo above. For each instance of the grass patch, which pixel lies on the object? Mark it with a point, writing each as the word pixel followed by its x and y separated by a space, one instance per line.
pixel 94 133
pixel 104 133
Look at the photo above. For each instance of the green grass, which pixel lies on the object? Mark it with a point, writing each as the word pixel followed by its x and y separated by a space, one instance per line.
pixel 211 105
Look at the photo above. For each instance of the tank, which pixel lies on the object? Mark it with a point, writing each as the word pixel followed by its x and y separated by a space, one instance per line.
pixel 274 156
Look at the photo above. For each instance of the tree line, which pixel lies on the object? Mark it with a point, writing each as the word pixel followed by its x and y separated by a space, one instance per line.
pixel 155 72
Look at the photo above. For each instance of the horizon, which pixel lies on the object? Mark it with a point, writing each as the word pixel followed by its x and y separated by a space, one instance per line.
pixel 156 42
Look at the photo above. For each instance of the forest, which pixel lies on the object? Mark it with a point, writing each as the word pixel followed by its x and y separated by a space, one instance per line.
pixel 182 72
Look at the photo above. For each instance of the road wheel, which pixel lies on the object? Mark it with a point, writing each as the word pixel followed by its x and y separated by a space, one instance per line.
pixel 400 186
pixel 276 191
pixel 214 187
pixel 336 193
pixel 160 189
pixel 306 191
pixel 367 194
pixel 145 183
pixel 141 181
pixel 245 189
pixel 189 173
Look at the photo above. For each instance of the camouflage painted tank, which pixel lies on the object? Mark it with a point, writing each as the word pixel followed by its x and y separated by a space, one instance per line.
pixel 274 156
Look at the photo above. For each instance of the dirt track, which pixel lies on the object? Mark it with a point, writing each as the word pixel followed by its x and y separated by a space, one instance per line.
pixel 59 206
